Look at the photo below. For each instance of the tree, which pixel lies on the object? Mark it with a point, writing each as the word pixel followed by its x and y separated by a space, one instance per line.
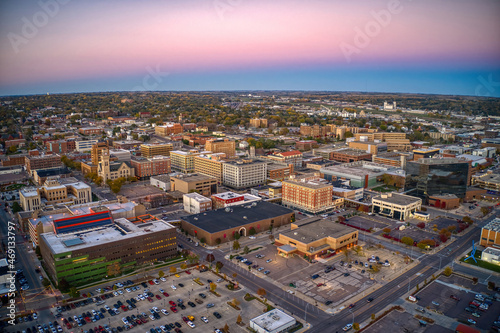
pixel 183 265
pixel 237 235
pixel 161 274
pixel 74 293
pixel 236 245
pixel 210 257
pixel 475 280
pixel 46 283
pixel 373 316
pixel 225 328
pixel 246 250
pixel 407 240
pixel 355 326
pixel 11 149
pixel 235 302
pixel 192 258
pixel 467 220
pixel 63 285
pixel 485 210
pixel 219 265
pixel 238 320
pixel 346 253
pixel 421 225
pixel 261 292
pixel 348 134
pixel 491 285
pixel 38 251
pixel 447 271
pixel 173 270
pixel 386 231
pixel 213 286
pixel 218 241
pixel 357 249
pixel 16 207
pixel 252 231
pixel 203 240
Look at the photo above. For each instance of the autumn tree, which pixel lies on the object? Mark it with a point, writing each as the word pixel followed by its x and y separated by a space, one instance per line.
pixel 239 320
pixel 213 286
pixel 236 245
pixel 407 240
pixel 161 274
pixel 447 271
pixel 210 258
pixel 173 270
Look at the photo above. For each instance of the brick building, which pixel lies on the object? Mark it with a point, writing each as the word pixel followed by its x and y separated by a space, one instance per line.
pixel 144 168
pixel 195 203
pixel 150 150
pixel 42 162
pixel 168 129
pixel 347 155
pixel 314 131
pixel 90 130
pixel 309 196
pixel 60 146
pixel 258 122
pixel 225 146
pixel 306 145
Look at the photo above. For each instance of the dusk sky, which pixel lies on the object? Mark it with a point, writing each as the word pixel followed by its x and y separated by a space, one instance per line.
pixel 419 46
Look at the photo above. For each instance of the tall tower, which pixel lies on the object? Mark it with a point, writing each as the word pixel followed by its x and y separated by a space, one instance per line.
pixel 104 170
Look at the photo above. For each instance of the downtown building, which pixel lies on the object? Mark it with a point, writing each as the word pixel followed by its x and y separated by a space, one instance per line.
pixel 151 150
pixel 210 164
pixel 308 196
pixel 144 168
pixel 33 163
pixel 244 173
pixel 225 146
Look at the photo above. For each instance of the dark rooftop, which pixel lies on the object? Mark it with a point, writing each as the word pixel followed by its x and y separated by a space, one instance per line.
pixel 235 216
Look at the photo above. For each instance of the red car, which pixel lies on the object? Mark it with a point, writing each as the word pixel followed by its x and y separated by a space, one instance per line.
pixel 144 320
pixel 138 321
pixel 185 319
pixel 150 299
pixel 165 294
pixel 319 284
pixel 87 319
pixel 351 306
pixel 124 308
pixel 151 282
pixel 158 296
pixel 172 303
pixel 174 309
pixel 188 272
pixel 68 326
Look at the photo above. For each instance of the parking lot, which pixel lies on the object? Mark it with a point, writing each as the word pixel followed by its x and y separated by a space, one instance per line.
pixel 373 222
pixel 451 296
pixel 397 321
pixel 351 275
pixel 159 311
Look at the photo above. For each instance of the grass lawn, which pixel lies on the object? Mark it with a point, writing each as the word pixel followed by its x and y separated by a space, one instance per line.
pixel 480 263
pixel 384 188
pixel 14 187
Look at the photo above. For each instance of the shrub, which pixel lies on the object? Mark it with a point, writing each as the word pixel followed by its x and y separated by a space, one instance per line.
pixel 218 241
pixel 387 230
pixel 443 238
pixel 421 225
pixel 251 232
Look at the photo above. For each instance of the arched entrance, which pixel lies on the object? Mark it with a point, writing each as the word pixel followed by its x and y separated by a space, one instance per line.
pixel 242 231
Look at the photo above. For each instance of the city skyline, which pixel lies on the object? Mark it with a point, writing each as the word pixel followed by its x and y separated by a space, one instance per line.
pixel 438 47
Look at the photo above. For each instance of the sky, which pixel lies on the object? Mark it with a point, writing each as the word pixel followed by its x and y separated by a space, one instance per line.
pixel 419 46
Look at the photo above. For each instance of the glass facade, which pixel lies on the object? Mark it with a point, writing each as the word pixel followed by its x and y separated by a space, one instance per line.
pixel 437 178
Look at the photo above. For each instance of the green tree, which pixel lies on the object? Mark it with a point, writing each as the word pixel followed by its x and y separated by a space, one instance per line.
pixel 407 240
pixel 236 245
pixel 237 235
pixel 252 231
pixel 16 207
pixel 447 271
pixel 74 293
pixel 12 150
pixel 38 252
pixel 355 326
pixel 161 274
pixel 63 285
pixel 246 250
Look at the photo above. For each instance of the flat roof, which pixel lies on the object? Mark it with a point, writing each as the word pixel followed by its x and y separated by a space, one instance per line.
pixel 351 152
pixel 198 197
pixel 235 216
pixel 317 228
pixel 491 250
pixel 396 198
pixel 273 320
pixel 193 177
pixel 120 230
pixel 309 184
pixel 227 195
pixel 161 178
pixel 446 160
pixel 493 225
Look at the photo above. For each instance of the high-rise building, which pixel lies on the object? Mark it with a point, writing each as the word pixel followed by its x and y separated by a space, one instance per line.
pixel 97 150
pixel 210 164
pixel 225 146
pixel 244 173
pixel 437 176
pixel 147 167
pixel 309 196
pixel 42 162
pixel 183 161
pixel 258 122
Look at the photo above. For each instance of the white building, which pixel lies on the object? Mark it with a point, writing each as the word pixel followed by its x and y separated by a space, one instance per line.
pixel 121 154
pixel 195 203
pixel 491 255
pixel 82 146
pixel 244 173
pixel 161 181
pixel 389 106
pixel 274 321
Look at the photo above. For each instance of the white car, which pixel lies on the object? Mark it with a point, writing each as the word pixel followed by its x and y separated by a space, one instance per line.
pixel 120 291
pixel 173 287
pixel 220 280
pixel 347 327
pixel 204 319
pixel 190 324
pixel 128 290
pixel 162 291
pixel 35 316
pixel 107 308
pixel 164 312
pixel 152 317
pixel 156 281
pixel 155 309
pixel 163 279
pixel 252 237
pixel 115 293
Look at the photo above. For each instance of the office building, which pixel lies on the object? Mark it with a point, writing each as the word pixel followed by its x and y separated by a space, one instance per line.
pixel 437 176
pixel 315 238
pixel 85 145
pixel 274 321
pixel 308 196
pixel 279 171
pixel 155 149
pixel 225 146
pixel 359 174
pixel 33 163
pixel 293 157
pixel 168 129
pixel 147 167
pixel 195 203
pixel 348 155
pixel 202 184
pixel 244 173
pixel 210 164
pixel 396 206
pixel 183 161
pixel 87 248
pixel 258 122
pixel 490 234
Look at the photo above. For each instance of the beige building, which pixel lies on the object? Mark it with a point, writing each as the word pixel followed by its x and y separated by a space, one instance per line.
pixel 395 205
pixel 53 192
pixel 210 164
pixel 309 196
pixel 244 173
pixel 150 150
pixel 183 160
pixel 225 146
pixel 316 238
pixel 195 203
pixel 490 234
pixel 113 170
pixel 202 184
pixel 258 122
pixel 395 140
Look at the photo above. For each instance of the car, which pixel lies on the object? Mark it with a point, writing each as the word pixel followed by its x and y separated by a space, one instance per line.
pixel 35 316
pixel 370 299
pixel 165 294
pixel 191 304
pixel 217 315
pixel 204 319
pixel 202 295
pixel 435 303
pixel 177 275
pixel 315 276
pixel 163 279
pixel 351 305
pixel 269 260
pixel 181 285
pixel 471 321
pixel 188 272
pixel 455 297
pixel 347 274
pixel 252 237
pixel 173 309
pixel 469 309
pixel 210 305
pixel 267 272
pixel 347 327
pixel 158 296
pixel 177 324
pixel 173 287
pixel 476 314
pixel 328 302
